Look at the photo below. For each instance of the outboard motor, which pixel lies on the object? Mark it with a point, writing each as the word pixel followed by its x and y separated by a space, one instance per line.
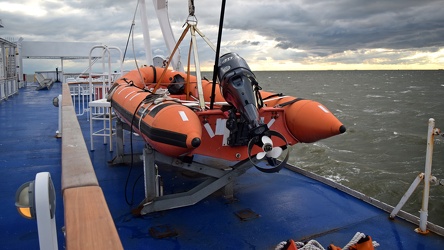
pixel 240 88
pixel 236 83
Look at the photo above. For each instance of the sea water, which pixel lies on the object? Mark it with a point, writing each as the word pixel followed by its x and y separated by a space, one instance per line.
pixel 386 114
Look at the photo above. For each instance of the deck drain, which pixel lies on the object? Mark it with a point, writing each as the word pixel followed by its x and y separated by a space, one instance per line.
pixel 162 231
pixel 246 214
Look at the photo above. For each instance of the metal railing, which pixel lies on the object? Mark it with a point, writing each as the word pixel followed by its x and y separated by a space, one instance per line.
pixel 427 178
pixel 8 87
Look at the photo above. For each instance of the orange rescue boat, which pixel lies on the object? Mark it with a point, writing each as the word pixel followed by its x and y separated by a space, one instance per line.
pixel 162 106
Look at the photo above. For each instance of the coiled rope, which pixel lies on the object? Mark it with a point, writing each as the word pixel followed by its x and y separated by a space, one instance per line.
pixel 315 245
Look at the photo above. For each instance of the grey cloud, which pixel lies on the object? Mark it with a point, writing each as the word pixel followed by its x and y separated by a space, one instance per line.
pixel 246 43
pixel 321 29
pixel 329 27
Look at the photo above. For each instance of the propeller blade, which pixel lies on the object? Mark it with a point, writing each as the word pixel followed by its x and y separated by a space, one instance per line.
pixel 269 151
pixel 275 152
pixel 260 155
pixel 267 140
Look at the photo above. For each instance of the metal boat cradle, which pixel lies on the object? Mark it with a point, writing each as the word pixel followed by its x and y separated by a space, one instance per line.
pixel 179 133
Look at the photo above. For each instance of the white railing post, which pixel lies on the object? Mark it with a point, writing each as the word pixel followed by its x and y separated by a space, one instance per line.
pixel 59 131
pixel 45 211
pixel 423 213
pixel 427 177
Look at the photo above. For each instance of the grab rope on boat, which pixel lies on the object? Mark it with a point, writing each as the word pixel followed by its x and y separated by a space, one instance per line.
pixel 274 95
pixel 280 96
pixel 289 102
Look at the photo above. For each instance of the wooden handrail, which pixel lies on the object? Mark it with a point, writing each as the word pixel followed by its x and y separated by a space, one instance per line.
pixel 88 222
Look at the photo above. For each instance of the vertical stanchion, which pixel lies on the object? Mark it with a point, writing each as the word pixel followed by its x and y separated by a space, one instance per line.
pixel 59 106
pixel 45 211
pixel 423 213
pixel 427 177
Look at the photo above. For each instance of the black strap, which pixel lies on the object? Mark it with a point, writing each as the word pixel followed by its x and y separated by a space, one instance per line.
pixel 256 90
pixel 274 95
pixel 154 73
pixel 290 102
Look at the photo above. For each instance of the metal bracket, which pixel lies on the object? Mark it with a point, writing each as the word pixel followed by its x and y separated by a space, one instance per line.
pixel 215 179
pixel 121 157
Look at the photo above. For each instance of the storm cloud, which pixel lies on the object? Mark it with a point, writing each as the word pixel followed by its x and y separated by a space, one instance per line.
pixel 303 32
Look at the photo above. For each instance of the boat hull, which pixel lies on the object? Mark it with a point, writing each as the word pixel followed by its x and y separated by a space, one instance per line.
pixel 309 121
pixel 169 127
pixel 298 120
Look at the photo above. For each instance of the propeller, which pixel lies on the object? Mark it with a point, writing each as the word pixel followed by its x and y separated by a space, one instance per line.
pixel 266 160
pixel 269 150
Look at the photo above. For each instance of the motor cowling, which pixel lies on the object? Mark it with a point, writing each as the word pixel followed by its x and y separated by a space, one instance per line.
pixel 236 83
pixel 240 88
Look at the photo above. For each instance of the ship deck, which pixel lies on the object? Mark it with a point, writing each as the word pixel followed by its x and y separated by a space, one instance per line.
pixel 273 207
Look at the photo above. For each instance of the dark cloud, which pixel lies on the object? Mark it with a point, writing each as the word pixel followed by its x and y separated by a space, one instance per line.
pixel 329 27
pixel 247 43
pixel 304 30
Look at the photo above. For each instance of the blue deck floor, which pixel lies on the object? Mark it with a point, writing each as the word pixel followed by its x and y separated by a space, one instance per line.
pixel 288 205
pixel 28 124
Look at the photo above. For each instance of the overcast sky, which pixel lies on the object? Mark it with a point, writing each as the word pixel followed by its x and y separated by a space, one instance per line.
pixel 269 34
